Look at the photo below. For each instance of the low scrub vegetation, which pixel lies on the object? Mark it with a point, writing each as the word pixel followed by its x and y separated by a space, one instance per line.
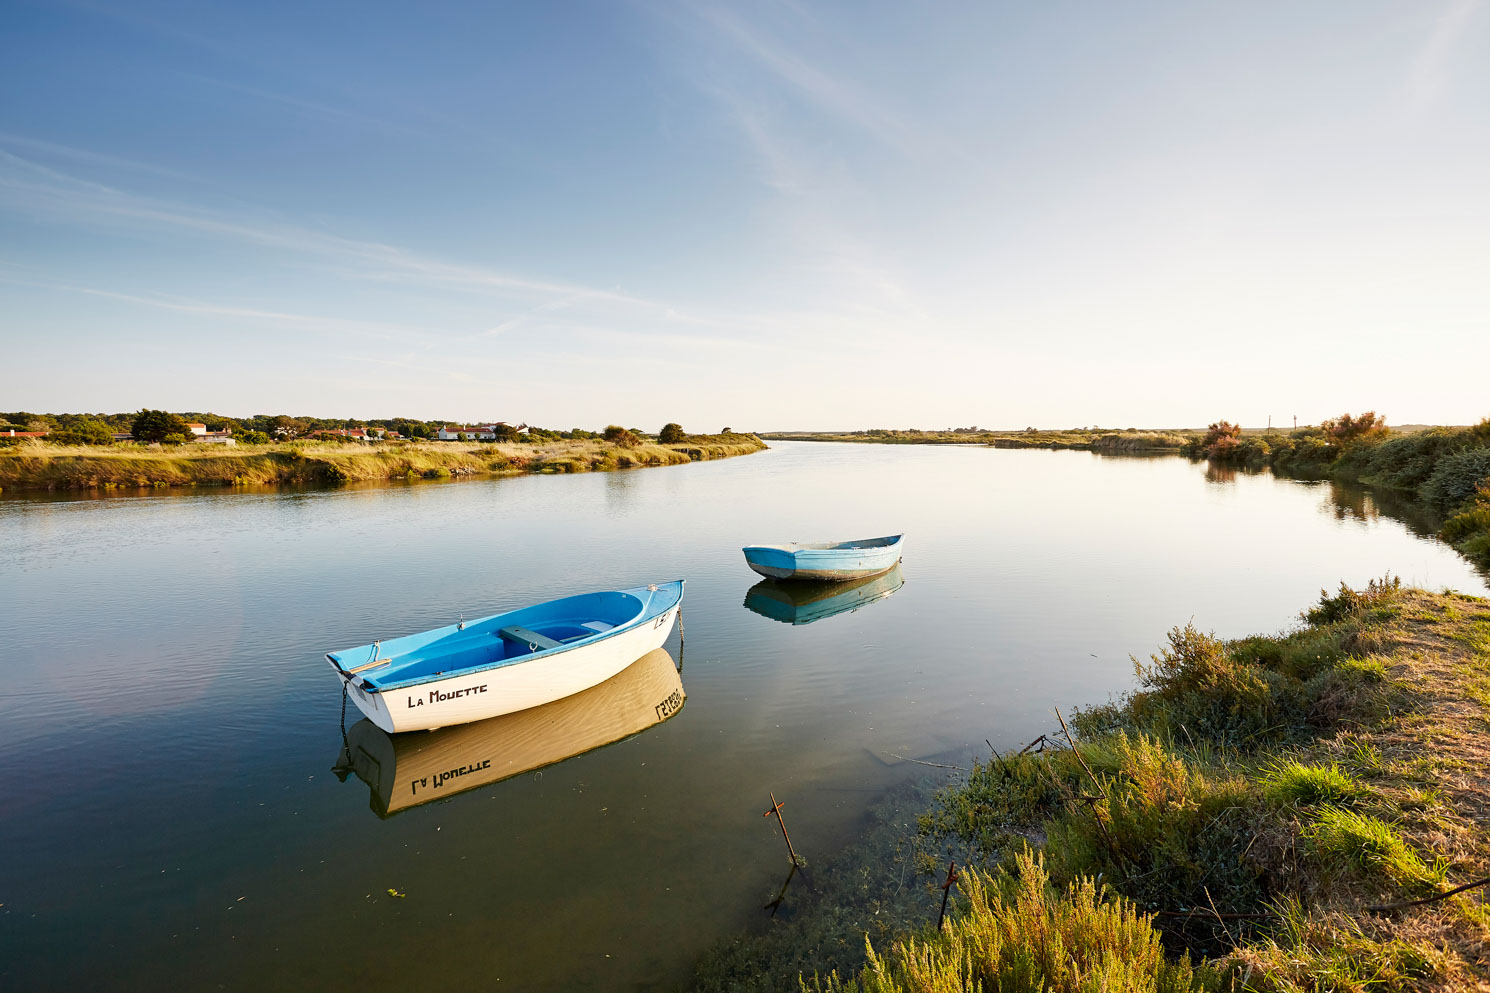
pixel 1128 441
pixel 1231 824
pixel 39 465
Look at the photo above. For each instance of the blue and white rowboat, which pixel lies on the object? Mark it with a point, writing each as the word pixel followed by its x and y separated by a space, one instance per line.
pixel 832 560
pixel 506 662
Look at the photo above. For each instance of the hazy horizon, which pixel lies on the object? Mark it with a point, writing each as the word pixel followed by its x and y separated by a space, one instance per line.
pixel 775 217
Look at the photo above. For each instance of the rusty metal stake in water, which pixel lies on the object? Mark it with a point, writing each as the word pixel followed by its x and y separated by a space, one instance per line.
pixel 947 891
pixel 775 904
pixel 776 809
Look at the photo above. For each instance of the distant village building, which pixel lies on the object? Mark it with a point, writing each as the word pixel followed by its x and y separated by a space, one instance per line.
pixel 197 429
pixel 13 433
pixel 473 432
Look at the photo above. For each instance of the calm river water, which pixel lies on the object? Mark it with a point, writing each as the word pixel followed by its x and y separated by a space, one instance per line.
pixel 168 811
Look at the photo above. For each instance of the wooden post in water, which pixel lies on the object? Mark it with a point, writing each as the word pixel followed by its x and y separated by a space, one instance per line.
pixel 947 891
pixel 776 809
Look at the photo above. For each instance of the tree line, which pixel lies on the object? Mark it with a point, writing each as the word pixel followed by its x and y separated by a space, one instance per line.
pixel 152 425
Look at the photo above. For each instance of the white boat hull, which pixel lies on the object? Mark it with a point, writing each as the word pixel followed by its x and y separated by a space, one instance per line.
pixel 510 688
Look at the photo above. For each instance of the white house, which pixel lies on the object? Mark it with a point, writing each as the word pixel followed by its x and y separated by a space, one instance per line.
pixel 479 432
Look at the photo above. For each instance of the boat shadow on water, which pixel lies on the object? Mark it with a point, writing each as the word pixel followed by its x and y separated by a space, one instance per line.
pixel 802 602
pixel 407 770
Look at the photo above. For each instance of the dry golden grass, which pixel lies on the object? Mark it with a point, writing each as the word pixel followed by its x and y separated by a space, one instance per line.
pixel 34 466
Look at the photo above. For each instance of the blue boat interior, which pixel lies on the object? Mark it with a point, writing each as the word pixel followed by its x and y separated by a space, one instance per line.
pixel 503 639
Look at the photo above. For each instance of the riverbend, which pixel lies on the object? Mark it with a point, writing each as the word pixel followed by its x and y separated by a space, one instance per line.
pixel 175 729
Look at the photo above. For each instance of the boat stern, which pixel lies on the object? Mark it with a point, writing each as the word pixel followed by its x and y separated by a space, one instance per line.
pixel 774 563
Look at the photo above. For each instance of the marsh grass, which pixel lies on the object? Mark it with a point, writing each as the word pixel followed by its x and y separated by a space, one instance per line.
pixel 121 467
pixel 1110 442
pixel 1018 933
pixel 1299 776
pixel 1299 784
pixel 1370 846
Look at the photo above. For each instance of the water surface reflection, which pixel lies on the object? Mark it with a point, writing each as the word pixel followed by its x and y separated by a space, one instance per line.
pixel 418 767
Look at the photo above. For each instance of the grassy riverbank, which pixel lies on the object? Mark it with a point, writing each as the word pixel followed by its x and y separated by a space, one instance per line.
pixel 37 466
pixel 1243 813
pixel 1232 824
pixel 1112 442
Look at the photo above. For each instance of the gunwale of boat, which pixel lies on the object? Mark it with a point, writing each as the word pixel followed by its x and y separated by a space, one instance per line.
pixel 373 675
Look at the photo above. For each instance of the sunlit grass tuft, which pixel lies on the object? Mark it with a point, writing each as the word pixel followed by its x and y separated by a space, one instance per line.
pixel 1296 784
pixel 1370 846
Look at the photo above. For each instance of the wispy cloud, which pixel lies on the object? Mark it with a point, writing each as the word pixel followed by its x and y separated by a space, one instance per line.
pixel 29 186
pixel 37 188
pixel 87 157
pixel 1431 68
pixel 311 108
pixel 336 325
pixel 826 91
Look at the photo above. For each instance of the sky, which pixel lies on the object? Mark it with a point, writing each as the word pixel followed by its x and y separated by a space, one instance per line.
pixel 772 215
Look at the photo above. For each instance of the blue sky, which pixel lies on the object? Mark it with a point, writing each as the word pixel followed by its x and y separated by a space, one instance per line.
pixel 770 215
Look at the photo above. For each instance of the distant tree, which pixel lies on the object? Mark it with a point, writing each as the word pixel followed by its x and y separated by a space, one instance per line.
pixel 155 425
pixel 1221 439
pixel 173 439
pixel 726 431
pixel 617 435
pixel 505 432
pixel 253 438
pixel 84 432
pixel 1345 429
pixel 671 433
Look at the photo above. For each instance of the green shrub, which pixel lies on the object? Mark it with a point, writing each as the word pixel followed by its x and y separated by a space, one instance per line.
pixel 1197 687
pixel 617 435
pixel 1377 595
pixel 671 434
pixel 1457 478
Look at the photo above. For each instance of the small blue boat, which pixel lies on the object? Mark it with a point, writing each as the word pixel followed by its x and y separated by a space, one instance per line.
pixel 803 603
pixel 834 561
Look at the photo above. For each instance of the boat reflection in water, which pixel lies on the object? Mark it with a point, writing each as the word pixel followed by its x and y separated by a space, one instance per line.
pixel 803 603
pixel 406 770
